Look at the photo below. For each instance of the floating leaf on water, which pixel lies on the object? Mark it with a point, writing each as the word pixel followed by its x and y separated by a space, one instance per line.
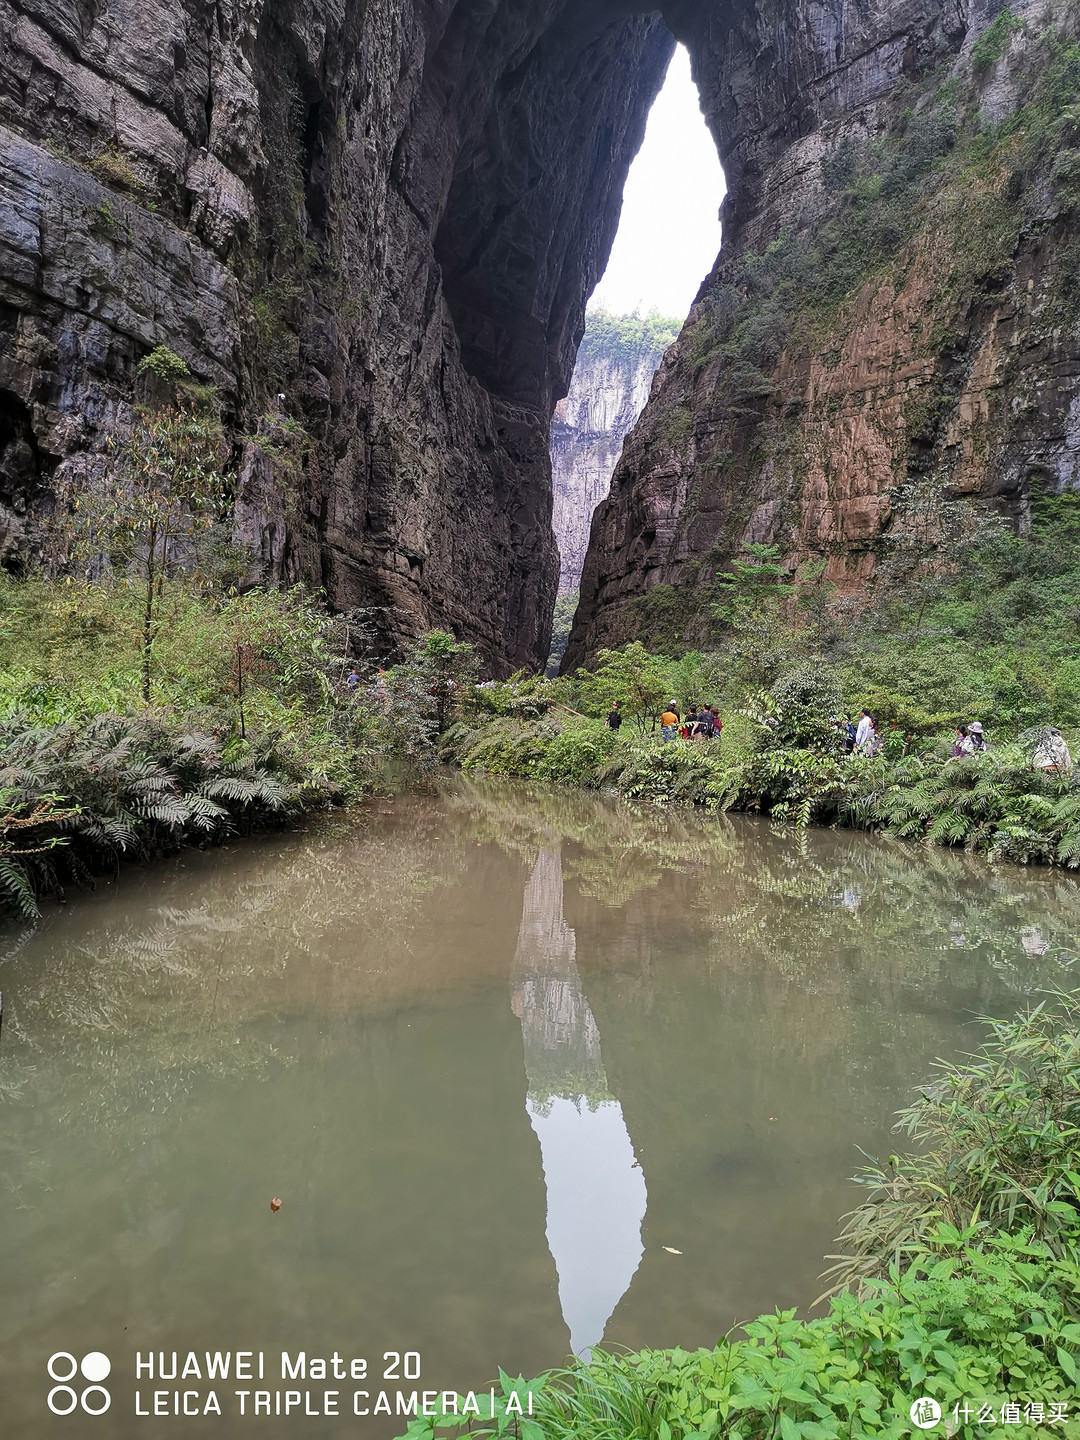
pixel 275 1203
pixel 671 1250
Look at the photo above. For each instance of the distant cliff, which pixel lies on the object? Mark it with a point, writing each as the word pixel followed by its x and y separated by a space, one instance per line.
pixel 618 358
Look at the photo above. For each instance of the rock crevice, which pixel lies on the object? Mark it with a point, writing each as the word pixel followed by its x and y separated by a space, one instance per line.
pixel 392 212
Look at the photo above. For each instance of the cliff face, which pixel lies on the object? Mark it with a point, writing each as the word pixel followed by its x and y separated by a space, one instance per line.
pixel 389 212
pixel 618 358
pixel 891 330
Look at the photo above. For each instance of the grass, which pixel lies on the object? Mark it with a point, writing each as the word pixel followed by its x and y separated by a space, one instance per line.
pixel 963 1287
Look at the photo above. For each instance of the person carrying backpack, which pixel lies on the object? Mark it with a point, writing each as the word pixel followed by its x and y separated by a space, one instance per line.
pixel 975 744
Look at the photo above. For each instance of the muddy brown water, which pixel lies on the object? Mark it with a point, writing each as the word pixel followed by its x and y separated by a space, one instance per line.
pixel 527 1070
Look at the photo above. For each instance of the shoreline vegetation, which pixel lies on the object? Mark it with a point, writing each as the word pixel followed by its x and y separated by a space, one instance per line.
pixel 263 706
pixel 958 1283
pixel 959 1274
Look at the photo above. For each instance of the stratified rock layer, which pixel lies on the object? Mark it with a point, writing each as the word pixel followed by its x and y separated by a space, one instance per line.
pixel 892 327
pixel 390 213
pixel 618 358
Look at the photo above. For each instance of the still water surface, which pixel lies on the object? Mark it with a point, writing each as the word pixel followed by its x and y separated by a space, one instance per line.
pixel 527 1070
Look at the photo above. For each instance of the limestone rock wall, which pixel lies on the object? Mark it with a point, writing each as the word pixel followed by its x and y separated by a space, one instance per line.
pixel 389 212
pixel 891 329
pixel 618 358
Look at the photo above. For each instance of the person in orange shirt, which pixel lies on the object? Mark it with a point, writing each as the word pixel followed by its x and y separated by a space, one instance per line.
pixel 669 722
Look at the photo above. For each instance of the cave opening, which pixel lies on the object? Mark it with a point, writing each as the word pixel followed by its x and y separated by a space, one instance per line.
pixel 669 227
pixel 666 244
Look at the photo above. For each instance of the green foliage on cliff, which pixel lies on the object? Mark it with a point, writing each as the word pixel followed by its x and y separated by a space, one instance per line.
pixel 994 41
pixel 627 338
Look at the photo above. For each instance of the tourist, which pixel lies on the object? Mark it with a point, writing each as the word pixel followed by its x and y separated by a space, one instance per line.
pixel 1051 753
pixel 669 722
pixel 869 745
pixel 975 744
pixel 864 728
pixel 614 720
pixel 353 679
pixel 703 724
pixel 959 741
pixel 717 723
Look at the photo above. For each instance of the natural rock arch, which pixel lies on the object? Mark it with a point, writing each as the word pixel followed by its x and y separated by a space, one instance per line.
pixel 393 213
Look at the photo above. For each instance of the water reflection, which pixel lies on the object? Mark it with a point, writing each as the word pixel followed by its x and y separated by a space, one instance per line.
pixel 596 1195
pixel 323 1016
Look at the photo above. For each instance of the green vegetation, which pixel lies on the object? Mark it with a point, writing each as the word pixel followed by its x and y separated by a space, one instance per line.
pixel 994 41
pixel 164 488
pixel 990 636
pixel 165 364
pixel 249 721
pixel 75 798
pixel 962 1287
pixel 629 337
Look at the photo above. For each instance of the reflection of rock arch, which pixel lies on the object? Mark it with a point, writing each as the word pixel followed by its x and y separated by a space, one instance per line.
pixel 596 1194
pixel 562 1042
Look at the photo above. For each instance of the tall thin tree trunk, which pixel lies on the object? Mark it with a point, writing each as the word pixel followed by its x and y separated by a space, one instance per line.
pixel 149 615
pixel 240 687
pixel 148 631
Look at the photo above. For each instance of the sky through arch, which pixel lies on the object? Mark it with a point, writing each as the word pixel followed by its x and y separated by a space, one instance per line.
pixel 669 232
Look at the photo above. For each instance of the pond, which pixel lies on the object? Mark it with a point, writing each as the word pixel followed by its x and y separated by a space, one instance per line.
pixel 527 1070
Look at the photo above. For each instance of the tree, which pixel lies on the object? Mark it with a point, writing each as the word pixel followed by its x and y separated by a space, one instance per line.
pixel 277 639
pixel 751 583
pixel 641 682
pixel 161 486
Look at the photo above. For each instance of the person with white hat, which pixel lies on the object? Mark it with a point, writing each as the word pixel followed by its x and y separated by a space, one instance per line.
pixel 975 743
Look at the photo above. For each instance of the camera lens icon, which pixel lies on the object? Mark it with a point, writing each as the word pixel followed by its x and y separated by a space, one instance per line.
pixel 63 1398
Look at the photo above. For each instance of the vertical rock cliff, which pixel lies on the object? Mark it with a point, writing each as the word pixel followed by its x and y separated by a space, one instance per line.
pixel 618 357
pixel 891 329
pixel 389 213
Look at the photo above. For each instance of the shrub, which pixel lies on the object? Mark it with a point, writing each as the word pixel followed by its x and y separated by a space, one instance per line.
pixel 808 702
pixel 998 1145
pixel 76 799
pixel 966 1266
pixel 994 40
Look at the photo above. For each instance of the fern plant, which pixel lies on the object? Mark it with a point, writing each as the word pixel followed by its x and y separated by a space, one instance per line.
pixel 74 800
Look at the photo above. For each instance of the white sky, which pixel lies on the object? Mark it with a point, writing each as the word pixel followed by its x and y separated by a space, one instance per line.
pixel 669 235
